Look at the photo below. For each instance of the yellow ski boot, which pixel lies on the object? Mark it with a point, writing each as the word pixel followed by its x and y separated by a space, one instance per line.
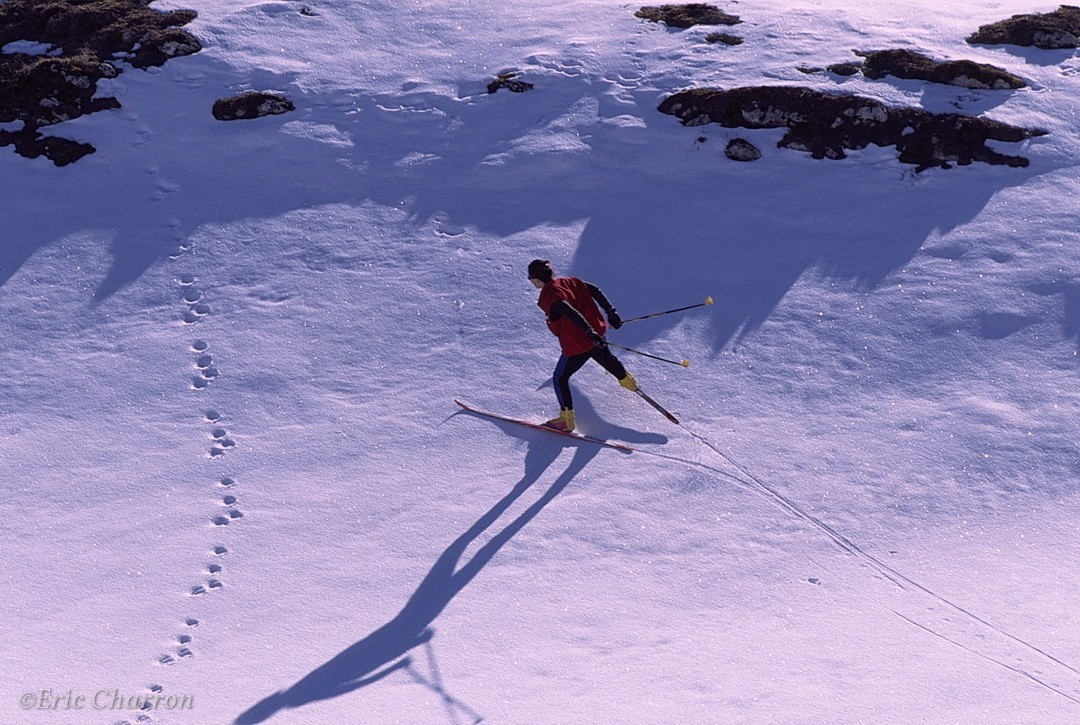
pixel 565 421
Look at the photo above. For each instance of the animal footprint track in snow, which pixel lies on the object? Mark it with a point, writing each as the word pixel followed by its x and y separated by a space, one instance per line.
pixel 219 433
pixel 205 376
pixel 185 652
pixel 199 345
pixel 221 520
pixel 220 551
pixel 216 584
pixel 186 280
pixel 166 660
pixel 212 416
pixel 235 514
pixel 228 500
pixel 191 622
pixel 226 482
pixel 184 639
pixel 198 589
pixel 222 446
pixel 214 568
pixel 192 295
pixel 203 362
pixel 196 312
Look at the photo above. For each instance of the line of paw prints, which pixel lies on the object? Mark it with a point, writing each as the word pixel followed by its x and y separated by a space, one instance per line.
pixel 197 309
pixel 204 365
pixel 229 503
pixel 152 691
pixel 220 441
pixel 182 646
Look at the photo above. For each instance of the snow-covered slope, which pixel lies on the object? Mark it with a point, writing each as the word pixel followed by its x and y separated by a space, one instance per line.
pixel 233 469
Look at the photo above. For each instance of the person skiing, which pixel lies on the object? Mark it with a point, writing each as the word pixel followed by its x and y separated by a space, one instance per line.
pixel 573 316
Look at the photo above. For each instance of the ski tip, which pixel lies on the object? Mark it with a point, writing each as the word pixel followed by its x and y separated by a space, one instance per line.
pixel 708 300
pixel 685 363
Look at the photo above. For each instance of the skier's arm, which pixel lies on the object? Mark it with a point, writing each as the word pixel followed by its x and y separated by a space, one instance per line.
pixel 602 300
pixel 562 308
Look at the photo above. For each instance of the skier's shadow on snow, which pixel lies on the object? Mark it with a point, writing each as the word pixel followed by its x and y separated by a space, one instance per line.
pixel 385 650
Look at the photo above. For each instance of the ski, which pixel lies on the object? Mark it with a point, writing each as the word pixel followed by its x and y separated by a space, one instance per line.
pixel 529 424
pixel 662 409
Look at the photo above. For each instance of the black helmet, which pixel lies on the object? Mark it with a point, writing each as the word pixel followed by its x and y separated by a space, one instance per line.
pixel 541 269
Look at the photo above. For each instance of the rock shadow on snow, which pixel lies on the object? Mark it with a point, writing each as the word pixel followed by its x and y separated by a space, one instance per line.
pixel 386 650
pixel 637 203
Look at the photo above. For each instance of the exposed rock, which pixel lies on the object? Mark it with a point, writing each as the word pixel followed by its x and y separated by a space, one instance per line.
pixel 739 149
pixel 87 37
pixel 101 28
pixel 507 81
pixel 687 16
pixel 252 104
pixel 845 69
pixel 825 125
pixel 902 63
pixel 1050 31
pixel 726 38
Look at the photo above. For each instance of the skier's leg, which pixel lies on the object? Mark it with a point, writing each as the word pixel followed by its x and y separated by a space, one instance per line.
pixel 566 367
pixel 613 365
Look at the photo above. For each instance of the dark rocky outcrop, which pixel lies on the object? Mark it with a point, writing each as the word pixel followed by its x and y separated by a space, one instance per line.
pixel 249 105
pixel 841 69
pixel 826 125
pixel 1049 31
pixel 509 82
pixel 739 149
pixel 90 40
pixel 687 16
pixel 725 38
pixel 901 63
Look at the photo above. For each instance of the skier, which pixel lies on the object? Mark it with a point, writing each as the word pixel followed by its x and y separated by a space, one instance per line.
pixel 570 305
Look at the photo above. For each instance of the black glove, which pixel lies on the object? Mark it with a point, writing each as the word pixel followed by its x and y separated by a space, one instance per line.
pixel 614 320
pixel 596 338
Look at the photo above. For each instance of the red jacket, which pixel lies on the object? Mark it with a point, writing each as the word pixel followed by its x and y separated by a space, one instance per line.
pixel 575 292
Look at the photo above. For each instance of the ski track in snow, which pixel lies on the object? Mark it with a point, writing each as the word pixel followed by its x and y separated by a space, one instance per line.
pixel 968 631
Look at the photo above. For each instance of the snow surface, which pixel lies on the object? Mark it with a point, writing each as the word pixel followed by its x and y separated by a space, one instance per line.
pixel 233 470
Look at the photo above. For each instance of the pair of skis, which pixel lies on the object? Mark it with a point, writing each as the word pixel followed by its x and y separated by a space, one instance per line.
pixel 576 436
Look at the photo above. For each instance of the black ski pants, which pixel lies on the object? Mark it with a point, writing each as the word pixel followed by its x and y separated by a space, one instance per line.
pixel 568 365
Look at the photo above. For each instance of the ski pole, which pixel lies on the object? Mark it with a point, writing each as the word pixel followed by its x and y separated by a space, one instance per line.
pixel 684 363
pixel 708 301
